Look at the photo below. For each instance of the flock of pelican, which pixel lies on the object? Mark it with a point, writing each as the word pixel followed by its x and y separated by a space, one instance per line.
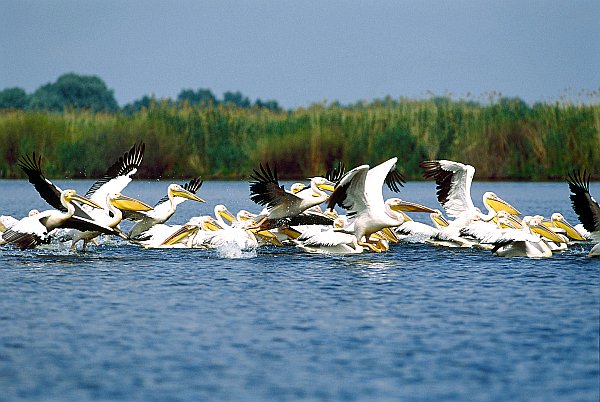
pixel 295 216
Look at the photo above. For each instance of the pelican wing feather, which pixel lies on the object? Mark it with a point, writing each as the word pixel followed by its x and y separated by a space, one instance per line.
pixel 32 166
pixel 117 176
pixel 453 180
pixel 349 193
pixel 266 191
pixel 584 205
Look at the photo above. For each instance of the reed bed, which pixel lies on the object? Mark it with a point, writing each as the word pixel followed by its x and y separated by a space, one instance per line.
pixel 505 139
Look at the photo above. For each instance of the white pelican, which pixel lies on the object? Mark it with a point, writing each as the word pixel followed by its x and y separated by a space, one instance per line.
pixel 106 192
pixel 111 217
pixel 559 224
pixel 453 181
pixel 33 230
pixel 281 204
pixel 206 232
pixel 113 181
pixel 360 192
pixel 165 208
pixel 521 242
pixel 586 207
pixel 330 241
pixel 439 235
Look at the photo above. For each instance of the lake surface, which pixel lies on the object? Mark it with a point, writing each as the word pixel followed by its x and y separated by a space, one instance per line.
pixel 416 323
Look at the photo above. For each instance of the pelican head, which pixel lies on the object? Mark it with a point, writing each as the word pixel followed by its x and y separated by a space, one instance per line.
pixel 560 222
pixel 178 191
pixel 322 183
pixel 244 215
pixel 210 224
pixel 126 203
pixel 496 203
pixel 438 219
pixel 222 211
pixel 71 195
pixel 297 187
pixel 506 220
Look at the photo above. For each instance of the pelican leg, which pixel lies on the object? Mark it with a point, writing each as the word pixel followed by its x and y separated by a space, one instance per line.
pixel 73 243
pixel 95 242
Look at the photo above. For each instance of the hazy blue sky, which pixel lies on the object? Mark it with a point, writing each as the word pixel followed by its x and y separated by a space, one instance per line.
pixel 299 52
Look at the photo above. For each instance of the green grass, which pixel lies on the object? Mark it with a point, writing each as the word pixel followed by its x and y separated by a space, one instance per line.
pixel 506 139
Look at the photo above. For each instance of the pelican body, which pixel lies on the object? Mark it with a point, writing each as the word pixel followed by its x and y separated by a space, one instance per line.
pixel 33 230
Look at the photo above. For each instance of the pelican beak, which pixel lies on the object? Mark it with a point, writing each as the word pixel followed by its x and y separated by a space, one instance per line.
pixel 227 216
pixel 181 233
pixel 571 232
pixel 389 235
pixel 329 186
pixel 408 206
pixel 212 226
pixel 289 232
pixel 440 220
pixel 547 233
pixel 125 203
pixel 83 200
pixel 267 235
pixel 515 221
pixel 498 204
pixel 188 195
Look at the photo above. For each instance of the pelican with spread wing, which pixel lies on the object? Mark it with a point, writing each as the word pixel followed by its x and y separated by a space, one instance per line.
pixel 586 207
pixel 360 193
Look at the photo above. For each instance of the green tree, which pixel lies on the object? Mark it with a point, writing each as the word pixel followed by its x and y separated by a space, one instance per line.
pixel 139 104
pixel 236 99
pixel 76 91
pixel 200 97
pixel 269 104
pixel 13 98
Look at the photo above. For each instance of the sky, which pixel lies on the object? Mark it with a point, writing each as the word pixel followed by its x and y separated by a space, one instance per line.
pixel 302 52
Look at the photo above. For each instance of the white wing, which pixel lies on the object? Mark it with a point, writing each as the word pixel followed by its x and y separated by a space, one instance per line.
pixel 453 181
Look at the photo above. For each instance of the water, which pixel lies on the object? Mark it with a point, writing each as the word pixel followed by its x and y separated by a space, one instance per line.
pixel 417 323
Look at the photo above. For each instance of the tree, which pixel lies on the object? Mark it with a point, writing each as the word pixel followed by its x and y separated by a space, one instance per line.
pixel 13 98
pixel 139 104
pixel 269 104
pixel 200 97
pixel 236 99
pixel 76 91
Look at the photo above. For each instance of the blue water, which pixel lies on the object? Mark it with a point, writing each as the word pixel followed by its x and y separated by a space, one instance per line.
pixel 416 323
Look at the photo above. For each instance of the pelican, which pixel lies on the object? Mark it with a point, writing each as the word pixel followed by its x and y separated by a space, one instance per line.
pixel 52 194
pixel 453 181
pixel 164 208
pixel 330 241
pixel 360 192
pixel 206 232
pixel 586 207
pixel 280 204
pixel 106 192
pixel 521 242
pixel 559 224
pixel 439 235
pixel 33 230
pixel 116 203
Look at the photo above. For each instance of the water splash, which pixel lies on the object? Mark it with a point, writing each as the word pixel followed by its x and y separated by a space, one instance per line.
pixel 233 250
